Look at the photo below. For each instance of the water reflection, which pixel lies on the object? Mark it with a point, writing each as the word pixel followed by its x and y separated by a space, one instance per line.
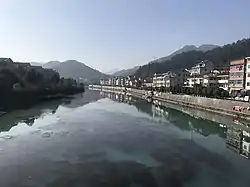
pixel 238 140
pixel 206 124
pixel 108 143
pixel 29 116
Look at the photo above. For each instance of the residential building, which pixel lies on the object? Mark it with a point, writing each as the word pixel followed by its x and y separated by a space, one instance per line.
pixel 117 82
pixel 192 80
pixel 247 82
pixel 208 80
pixel 204 80
pixel 182 76
pixel 237 75
pixel 127 81
pixel 202 68
pixel 165 80
pixel 102 81
pixel 122 81
pixel 223 81
pixel 148 84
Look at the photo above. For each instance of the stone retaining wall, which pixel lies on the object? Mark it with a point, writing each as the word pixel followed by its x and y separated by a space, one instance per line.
pixel 219 106
pixel 209 104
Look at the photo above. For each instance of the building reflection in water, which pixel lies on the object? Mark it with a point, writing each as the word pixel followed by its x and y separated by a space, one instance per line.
pixel 237 138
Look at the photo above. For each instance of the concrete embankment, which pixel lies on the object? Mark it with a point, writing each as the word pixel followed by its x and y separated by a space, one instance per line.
pixel 214 105
pixel 219 106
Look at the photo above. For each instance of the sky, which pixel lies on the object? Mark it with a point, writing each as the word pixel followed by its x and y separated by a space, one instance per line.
pixel 108 34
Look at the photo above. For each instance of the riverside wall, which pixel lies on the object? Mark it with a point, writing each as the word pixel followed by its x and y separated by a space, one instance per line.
pixel 219 106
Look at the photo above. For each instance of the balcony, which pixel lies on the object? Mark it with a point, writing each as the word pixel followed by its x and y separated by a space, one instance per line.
pixel 236 86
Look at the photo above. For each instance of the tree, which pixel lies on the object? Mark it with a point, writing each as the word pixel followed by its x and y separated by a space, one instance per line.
pixel 7 79
pixel 209 91
pixel 54 79
pixel 204 91
pixel 216 92
pixel 34 77
pixel 198 89
pixel 224 93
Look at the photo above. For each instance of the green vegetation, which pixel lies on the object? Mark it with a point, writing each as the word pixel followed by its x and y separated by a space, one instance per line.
pixel 197 90
pixel 200 90
pixel 221 56
pixel 23 85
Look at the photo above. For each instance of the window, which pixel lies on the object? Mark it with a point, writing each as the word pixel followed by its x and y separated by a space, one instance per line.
pixel 239 74
pixel 232 74
pixel 239 82
pixel 248 66
pixel 245 147
pixel 248 83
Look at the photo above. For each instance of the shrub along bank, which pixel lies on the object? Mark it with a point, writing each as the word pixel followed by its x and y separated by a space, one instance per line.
pixel 199 90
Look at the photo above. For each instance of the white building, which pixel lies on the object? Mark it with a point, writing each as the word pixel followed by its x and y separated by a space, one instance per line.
pixel 247 82
pixel 148 84
pixel 102 82
pixel 208 80
pixel 202 68
pixel 223 81
pixel 204 80
pixel 191 81
pixel 164 80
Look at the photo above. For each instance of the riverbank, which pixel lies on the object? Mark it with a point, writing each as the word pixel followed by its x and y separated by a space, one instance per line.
pixel 25 98
pixel 218 106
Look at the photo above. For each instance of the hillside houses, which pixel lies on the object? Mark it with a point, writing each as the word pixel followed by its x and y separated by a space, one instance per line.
pixel 233 78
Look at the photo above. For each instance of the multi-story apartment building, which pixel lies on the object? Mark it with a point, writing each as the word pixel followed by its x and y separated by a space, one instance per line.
pixel 223 81
pixel 170 79
pixel 247 82
pixel 204 80
pixel 202 68
pixel 164 80
pixel 237 75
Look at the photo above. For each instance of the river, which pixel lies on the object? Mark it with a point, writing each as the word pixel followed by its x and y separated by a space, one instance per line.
pixel 110 140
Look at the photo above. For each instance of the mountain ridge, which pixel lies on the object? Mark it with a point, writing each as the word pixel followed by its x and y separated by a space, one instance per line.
pixel 221 56
pixel 187 48
pixel 126 72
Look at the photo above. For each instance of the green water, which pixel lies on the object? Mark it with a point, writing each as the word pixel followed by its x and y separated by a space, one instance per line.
pixel 104 139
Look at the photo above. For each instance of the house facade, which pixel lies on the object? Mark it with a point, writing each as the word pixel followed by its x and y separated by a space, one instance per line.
pixel 202 68
pixel 223 82
pixel 237 74
pixel 167 80
pixel 247 82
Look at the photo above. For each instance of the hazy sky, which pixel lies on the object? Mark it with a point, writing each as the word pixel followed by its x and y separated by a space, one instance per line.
pixel 107 34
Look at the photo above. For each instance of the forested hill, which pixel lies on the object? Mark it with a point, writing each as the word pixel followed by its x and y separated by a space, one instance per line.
pixel 221 56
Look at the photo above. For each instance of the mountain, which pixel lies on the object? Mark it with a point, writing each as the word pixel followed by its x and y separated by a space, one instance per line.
pixel 74 69
pixel 36 63
pixel 50 64
pixel 112 71
pixel 207 47
pixel 126 72
pixel 221 56
pixel 187 48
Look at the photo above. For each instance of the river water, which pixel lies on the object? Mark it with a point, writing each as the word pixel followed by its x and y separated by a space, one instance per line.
pixel 103 139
